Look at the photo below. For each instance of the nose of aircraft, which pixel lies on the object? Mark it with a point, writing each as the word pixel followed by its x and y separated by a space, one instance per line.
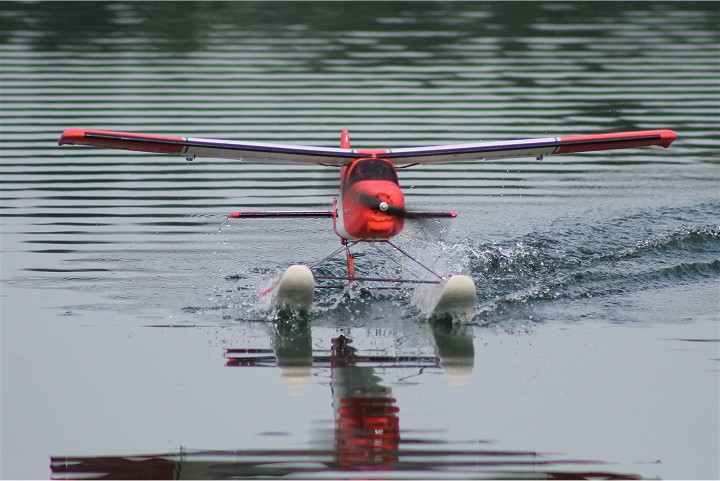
pixel 376 210
pixel 381 196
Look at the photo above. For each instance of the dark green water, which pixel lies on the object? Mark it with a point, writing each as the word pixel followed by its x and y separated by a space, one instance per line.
pixel 593 348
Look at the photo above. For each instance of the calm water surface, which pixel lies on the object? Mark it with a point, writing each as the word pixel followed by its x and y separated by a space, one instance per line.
pixel 133 341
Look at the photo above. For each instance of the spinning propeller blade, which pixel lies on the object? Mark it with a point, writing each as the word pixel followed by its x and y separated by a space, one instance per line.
pixel 397 211
pixel 376 204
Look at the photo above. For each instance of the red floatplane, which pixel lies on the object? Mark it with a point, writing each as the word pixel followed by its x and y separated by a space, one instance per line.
pixel 370 207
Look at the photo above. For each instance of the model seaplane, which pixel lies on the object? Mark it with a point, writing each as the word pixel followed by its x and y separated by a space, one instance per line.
pixel 370 207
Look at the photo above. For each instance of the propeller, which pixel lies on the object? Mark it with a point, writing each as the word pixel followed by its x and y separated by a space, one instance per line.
pixel 397 211
pixel 377 204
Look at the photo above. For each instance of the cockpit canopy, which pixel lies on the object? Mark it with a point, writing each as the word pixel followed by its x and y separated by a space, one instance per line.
pixel 372 169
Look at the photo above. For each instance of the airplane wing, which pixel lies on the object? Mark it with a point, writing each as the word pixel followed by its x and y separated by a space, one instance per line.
pixel 198 147
pixel 538 147
pixel 191 147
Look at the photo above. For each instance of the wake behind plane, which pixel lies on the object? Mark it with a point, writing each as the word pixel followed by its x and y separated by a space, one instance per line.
pixel 370 206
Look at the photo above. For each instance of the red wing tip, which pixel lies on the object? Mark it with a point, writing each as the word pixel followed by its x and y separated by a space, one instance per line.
pixel 159 144
pixel 71 136
pixel 616 140
pixel 668 137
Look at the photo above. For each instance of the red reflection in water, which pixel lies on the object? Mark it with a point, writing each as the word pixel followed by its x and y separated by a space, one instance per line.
pixel 367 427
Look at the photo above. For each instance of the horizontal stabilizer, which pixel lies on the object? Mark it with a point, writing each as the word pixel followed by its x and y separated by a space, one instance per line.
pixel 261 215
pixel 327 214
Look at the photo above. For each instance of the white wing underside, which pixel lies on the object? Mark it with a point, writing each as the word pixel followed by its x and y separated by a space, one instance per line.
pixel 258 152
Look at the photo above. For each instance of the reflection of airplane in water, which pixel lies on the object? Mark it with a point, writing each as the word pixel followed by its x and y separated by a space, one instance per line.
pixel 367 426
pixel 366 436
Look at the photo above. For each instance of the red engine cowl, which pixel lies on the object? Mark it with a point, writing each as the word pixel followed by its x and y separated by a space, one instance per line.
pixel 364 221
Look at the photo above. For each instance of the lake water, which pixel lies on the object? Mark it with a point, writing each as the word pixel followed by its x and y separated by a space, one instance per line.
pixel 133 341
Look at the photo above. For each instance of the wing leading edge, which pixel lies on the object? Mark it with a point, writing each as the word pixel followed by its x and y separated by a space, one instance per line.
pixel 282 153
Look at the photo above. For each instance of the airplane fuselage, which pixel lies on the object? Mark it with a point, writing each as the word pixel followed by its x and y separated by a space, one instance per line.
pixel 368 202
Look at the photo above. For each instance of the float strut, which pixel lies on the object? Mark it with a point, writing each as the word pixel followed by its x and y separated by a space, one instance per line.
pixel 350 261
